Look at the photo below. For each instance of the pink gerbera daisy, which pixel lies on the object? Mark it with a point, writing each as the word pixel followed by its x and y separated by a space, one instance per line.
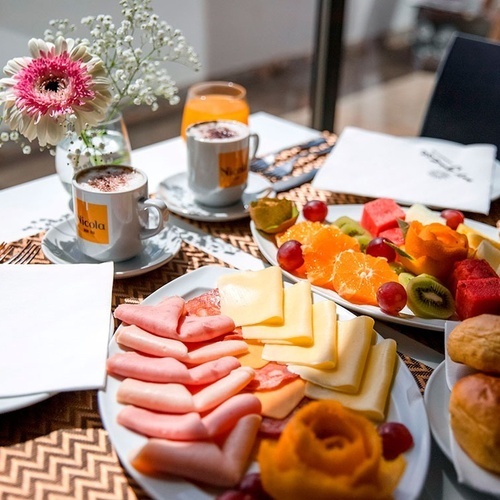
pixel 61 85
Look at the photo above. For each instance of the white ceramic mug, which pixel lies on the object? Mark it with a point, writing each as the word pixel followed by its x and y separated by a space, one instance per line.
pixel 219 154
pixel 112 212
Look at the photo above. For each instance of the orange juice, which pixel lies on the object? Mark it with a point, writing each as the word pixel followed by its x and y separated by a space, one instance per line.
pixel 214 101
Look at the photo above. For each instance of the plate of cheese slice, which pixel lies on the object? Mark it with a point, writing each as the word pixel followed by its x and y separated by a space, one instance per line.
pixel 404 404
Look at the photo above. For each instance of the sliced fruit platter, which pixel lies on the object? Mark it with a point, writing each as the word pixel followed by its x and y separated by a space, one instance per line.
pixel 408 265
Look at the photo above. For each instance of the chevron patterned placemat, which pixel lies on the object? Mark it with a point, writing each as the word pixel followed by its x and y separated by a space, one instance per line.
pixel 58 449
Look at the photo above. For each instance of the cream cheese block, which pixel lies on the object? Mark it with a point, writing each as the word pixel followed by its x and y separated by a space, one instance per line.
pixel 250 297
pixel 323 352
pixel 371 400
pixel 354 338
pixel 297 325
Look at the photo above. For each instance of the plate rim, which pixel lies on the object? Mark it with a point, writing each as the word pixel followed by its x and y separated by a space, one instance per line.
pixel 201 278
pixel 207 218
pixel 167 256
pixel 427 324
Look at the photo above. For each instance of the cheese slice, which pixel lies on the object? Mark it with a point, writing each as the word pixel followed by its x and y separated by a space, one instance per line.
pixel 323 352
pixel 253 358
pixel 297 322
pixel 354 338
pixel 371 400
pixel 278 403
pixel 250 297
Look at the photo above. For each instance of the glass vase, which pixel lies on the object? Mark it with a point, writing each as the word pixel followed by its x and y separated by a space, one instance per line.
pixel 105 144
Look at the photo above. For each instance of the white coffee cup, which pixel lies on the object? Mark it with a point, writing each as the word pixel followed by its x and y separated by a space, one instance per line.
pixel 112 212
pixel 219 154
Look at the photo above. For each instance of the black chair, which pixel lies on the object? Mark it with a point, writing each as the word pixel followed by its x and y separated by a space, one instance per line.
pixel 465 104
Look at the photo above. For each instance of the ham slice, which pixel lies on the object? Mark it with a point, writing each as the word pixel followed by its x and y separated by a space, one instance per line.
pixel 189 426
pixel 202 328
pixel 176 398
pixel 215 350
pixel 202 461
pixel 167 370
pixel 161 319
pixel 136 338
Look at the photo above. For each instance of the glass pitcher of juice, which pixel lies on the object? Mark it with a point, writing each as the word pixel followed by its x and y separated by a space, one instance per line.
pixel 207 101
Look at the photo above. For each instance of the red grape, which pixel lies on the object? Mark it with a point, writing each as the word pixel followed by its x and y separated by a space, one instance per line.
pixel 396 439
pixel 453 217
pixel 391 297
pixel 290 255
pixel 378 247
pixel 315 211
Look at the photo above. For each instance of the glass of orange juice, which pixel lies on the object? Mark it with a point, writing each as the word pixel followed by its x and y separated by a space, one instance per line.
pixel 208 101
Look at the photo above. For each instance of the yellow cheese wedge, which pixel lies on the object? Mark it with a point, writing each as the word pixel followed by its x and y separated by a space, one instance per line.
pixel 475 237
pixel 371 400
pixel 250 297
pixel 297 322
pixel 323 352
pixel 253 358
pixel 278 403
pixel 490 254
pixel 354 338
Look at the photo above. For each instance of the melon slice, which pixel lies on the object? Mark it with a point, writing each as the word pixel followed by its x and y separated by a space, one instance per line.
pixel 381 214
pixel 477 296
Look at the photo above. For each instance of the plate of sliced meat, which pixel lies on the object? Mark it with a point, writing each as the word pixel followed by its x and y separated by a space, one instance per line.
pixel 181 402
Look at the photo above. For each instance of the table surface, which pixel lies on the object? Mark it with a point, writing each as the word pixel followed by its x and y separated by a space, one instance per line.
pixel 58 447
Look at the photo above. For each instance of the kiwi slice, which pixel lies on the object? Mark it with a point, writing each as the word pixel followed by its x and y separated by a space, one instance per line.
pixel 405 277
pixel 353 228
pixel 428 298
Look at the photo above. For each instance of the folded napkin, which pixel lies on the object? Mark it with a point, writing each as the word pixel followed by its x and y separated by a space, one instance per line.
pixel 54 327
pixel 468 472
pixel 438 174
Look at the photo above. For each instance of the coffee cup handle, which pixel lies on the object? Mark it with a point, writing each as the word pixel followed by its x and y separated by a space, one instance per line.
pixel 254 145
pixel 162 215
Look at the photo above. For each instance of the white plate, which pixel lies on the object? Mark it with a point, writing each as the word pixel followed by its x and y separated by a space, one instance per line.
pixel 269 250
pixel 59 246
pixel 406 405
pixel 15 403
pixel 437 400
pixel 179 198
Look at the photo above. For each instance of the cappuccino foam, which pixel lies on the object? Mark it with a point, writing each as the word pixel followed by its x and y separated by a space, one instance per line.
pixel 218 131
pixel 111 179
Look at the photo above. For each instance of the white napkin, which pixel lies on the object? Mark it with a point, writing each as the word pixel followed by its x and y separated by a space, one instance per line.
pixel 438 174
pixel 467 471
pixel 54 327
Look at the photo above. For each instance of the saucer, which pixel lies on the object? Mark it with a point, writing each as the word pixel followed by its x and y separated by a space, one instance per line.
pixel 179 199
pixel 60 247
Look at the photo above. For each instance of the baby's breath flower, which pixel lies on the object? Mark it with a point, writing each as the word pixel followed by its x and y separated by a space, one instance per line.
pixel 133 54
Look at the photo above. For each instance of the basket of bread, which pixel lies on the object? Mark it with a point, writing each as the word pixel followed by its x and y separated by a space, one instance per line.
pixel 474 405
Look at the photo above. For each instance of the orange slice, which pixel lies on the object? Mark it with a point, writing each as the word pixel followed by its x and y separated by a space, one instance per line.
pixel 322 250
pixel 357 276
pixel 301 231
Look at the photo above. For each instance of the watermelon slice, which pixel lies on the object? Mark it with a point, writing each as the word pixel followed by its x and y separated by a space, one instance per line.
pixel 469 269
pixel 477 296
pixel 381 214
pixel 395 234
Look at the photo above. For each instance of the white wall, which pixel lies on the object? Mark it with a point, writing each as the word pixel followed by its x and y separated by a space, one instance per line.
pixel 229 35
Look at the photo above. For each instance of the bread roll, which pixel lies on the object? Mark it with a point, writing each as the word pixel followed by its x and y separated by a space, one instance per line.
pixel 474 418
pixel 476 343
